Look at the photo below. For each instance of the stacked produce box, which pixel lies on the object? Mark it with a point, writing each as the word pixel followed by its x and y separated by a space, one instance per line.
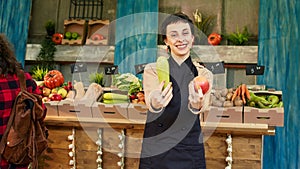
pixel 125 100
pixel 245 105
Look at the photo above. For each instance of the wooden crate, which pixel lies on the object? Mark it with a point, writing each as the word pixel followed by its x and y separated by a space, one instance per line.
pixel 222 114
pixel 97 28
pixel 117 111
pixel 272 116
pixel 137 112
pixel 51 108
pixel 74 109
pixel 78 26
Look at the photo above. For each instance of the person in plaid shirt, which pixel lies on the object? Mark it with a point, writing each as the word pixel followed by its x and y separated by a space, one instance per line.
pixel 9 89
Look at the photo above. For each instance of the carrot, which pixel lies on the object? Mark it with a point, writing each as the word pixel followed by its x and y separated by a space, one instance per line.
pixel 243 86
pixel 235 94
pixel 248 94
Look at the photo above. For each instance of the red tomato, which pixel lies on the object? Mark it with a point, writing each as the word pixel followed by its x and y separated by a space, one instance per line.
pixel 57 38
pixel 53 78
pixel 214 39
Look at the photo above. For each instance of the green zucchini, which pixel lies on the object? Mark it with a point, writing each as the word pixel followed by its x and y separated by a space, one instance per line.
pixel 115 96
pixel 163 71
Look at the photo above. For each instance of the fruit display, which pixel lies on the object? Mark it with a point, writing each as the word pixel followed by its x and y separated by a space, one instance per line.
pixel 57 93
pixel 97 37
pixel 71 35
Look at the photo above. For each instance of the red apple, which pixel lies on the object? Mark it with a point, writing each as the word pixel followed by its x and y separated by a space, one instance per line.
pixel 201 82
pixel 97 37
pixel 55 97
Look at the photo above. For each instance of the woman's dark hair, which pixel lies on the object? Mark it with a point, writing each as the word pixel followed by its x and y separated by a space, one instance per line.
pixel 8 61
pixel 175 18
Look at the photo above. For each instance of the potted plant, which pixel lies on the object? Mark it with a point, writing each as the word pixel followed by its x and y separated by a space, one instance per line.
pixel 38 73
pixel 97 78
pixel 238 38
pixel 50 27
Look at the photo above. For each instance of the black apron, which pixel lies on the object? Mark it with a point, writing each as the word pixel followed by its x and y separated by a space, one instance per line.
pixel 173 138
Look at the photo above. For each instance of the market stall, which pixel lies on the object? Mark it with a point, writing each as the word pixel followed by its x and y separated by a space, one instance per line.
pixel 102 127
pixel 241 143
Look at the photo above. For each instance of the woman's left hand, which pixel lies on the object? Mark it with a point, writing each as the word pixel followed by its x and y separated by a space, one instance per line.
pixel 195 98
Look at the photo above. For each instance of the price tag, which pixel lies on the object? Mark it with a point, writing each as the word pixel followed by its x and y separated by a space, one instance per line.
pixel 255 70
pixel 78 67
pixel 215 67
pixel 111 70
pixel 140 68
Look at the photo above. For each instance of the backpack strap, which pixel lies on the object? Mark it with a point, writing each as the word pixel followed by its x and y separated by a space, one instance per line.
pixel 22 80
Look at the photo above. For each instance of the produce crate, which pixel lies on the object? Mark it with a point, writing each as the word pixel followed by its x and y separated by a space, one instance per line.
pixel 74 109
pixel 78 26
pixel 97 29
pixel 116 111
pixel 222 114
pixel 137 112
pixel 51 108
pixel 272 116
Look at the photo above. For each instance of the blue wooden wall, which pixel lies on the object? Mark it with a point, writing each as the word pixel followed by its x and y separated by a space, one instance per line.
pixel 14 23
pixel 278 50
pixel 136 33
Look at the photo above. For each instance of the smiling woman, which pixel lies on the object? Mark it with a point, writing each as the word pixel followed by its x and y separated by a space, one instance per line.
pixel 172 135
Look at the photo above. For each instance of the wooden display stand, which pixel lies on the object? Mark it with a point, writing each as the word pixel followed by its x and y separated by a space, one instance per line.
pixel 246 141
pixel 78 26
pixel 97 32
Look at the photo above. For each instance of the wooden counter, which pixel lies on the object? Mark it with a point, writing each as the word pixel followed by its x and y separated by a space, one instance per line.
pixel 246 143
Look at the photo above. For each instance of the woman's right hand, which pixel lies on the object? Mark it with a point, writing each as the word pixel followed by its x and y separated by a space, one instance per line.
pixel 160 97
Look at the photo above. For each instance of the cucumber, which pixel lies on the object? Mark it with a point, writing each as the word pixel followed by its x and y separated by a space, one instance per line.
pixel 163 71
pixel 114 101
pixel 115 96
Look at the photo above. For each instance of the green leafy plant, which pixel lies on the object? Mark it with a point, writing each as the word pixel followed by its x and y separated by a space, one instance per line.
pixel 50 27
pixel 39 72
pixel 46 54
pixel 238 38
pixel 97 78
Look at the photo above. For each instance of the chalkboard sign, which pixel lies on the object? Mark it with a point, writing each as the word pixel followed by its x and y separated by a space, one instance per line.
pixel 215 67
pixel 254 70
pixel 140 68
pixel 78 67
pixel 111 70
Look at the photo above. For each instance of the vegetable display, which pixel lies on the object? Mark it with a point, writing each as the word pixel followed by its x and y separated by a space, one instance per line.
pixel 163 71
pixel 127 82
pixel 114 98
pixel 242 96
pixel 265 100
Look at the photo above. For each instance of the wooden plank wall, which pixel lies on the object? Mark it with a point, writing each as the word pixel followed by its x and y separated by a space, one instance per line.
pixel 246 149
